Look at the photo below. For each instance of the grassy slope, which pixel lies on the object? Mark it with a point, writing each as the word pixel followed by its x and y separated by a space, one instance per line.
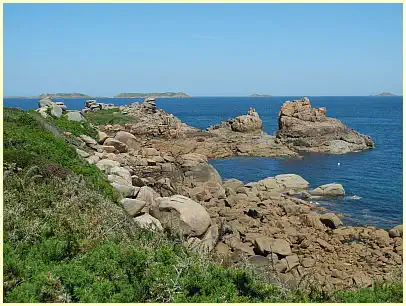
pixel 66 240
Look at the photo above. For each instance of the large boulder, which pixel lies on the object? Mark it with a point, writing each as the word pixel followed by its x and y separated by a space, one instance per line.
pixel 148 195
pixel 329 190
pixel 304 128
pixel 397 231
pixel 265 245
pixel 120 146
pixel 198 172
pixel 129 139
pixel 205 244
pixel 132 206
pixel 102 136
pixel 181 215
pixel 75 116
pixel 56 110
pixel 45 102
pixel 292 181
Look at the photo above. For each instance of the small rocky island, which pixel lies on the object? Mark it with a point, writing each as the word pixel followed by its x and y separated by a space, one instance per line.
pixel 255 95
pixel 74 95
pixel 385 94
pixel 303 128
pixel 153 95
pixel 160 167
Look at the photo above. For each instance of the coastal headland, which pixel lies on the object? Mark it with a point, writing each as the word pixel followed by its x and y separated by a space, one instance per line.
pixel 159 167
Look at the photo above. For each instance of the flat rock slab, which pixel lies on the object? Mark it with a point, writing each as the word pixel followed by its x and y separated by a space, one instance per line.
pixel 329 190
pixel 75 116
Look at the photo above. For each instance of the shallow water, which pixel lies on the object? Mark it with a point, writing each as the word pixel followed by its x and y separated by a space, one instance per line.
pixel 374 175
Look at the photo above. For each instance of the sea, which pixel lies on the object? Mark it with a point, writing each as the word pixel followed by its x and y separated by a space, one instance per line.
pixel 372 179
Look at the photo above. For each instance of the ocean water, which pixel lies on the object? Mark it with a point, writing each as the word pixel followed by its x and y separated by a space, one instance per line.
pixel 373 176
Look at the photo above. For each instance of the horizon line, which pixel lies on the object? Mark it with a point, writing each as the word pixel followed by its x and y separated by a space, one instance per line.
pixel 206 96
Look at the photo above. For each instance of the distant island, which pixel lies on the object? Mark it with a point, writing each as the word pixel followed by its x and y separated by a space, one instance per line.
pixel 385 94
pixel 74 95
pixel 153 94
pixel 260 95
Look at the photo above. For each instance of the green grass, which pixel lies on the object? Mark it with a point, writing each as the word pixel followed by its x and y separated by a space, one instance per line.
pixel 77 128
pixel 65 240
pixel 108 116
pixel 27 143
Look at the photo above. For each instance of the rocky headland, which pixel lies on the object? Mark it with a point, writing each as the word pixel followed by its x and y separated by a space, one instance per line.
pixel 160 167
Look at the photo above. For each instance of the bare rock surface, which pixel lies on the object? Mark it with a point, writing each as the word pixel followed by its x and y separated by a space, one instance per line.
pixel 181 215
pixel 329 190
pixel 264 221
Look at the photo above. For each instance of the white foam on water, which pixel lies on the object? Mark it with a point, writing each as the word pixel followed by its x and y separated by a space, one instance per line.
pixel 354 197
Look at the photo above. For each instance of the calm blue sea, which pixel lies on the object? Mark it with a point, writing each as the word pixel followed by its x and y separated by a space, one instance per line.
pixel 374 175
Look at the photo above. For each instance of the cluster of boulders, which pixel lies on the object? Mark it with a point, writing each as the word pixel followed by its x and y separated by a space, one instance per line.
pixel 303 128
pixel 57 109
pixel 47 106
pixel 93 105
pixel 166 182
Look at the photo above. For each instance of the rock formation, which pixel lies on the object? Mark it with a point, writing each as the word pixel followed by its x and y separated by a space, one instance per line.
pixel 93 105
pixel 245 123
pixel 166 182
pixel 303 128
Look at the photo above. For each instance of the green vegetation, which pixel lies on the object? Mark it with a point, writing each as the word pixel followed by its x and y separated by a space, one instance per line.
pixel 153 94
pixel 66 240
pixel 27 143
pixel 108 116
pixel 77 128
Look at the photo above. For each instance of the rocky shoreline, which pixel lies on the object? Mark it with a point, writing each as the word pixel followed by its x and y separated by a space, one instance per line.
pixel 159 165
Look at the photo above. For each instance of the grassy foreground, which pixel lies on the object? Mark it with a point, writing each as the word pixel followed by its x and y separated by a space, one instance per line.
pixel 67 240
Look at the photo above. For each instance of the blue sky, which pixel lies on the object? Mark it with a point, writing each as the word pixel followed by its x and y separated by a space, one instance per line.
pixel 203 49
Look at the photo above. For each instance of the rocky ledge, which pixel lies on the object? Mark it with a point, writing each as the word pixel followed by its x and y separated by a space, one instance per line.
pixel 158 166
pixel 303 128
pixel 239 136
